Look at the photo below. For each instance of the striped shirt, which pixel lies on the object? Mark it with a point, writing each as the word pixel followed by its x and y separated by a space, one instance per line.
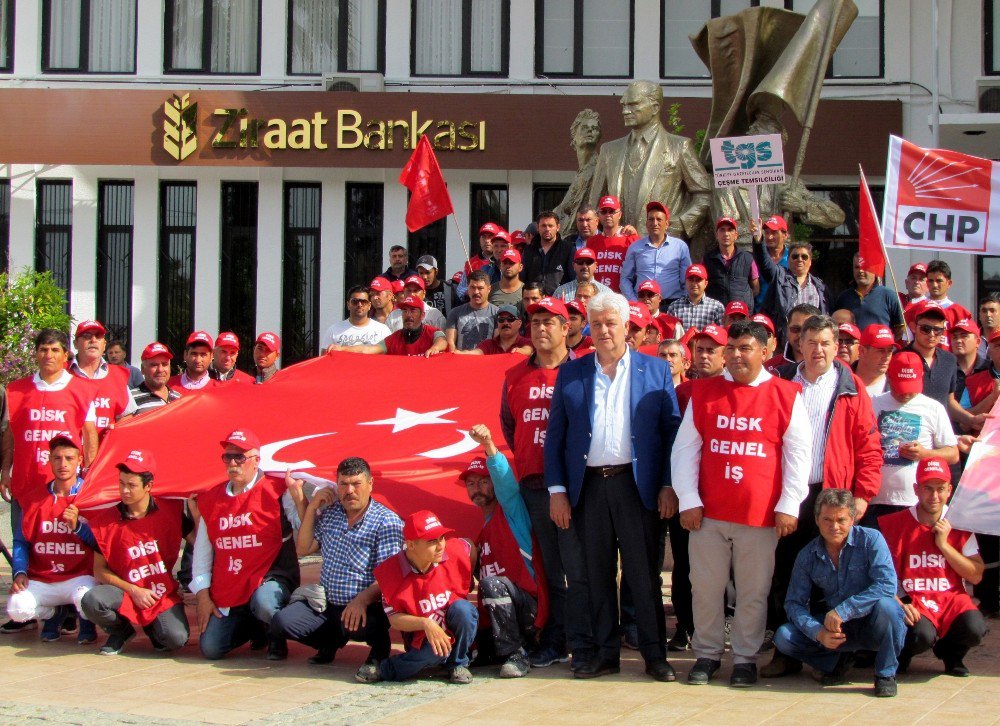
pixel 146 400
pixel 817 396
pixel 567 291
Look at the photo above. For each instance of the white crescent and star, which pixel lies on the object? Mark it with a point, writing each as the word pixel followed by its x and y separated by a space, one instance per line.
pixel 406 419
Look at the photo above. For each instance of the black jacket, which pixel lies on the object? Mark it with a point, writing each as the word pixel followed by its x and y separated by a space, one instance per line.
pixel 552 269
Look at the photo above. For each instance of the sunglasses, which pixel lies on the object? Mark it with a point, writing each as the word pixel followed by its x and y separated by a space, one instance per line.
pixel 930 330
pixel 239 459
pixel 847 341
pixel 506 319
pixel 647 295
pixel 360 301
pixel 607 211
pixel 795 329
pixel 584 262
pixel 798 257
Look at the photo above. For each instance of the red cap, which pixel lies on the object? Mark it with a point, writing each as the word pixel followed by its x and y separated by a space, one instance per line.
pixel 424 525
pixel 917 268
pixel 994 337
pixel 457 277
pixel 967 325
pixel 657 207
pixel 489 228
pixel 609 202
pixel 242 439
pixel 906 373
pixel 227 340
pixel 737 307
pixel 415 280
pixel 933 468
pixel 765 321
pixel 576 306
pixel 850 329
pixel 517 238
pixel 90 326
pixel 649 286
pixel 638 315
pixel 696 271
pixel 511 255
pixel 476 466
pixel 380 284
pixel 584 253
pixel 931 308
pixel 715 333
pixel 502 234
pixel 270 341
pixel 411 301
pixel 775 222
pixel 154 350
pixel 139 461
pixel 67 436
pixel 877 336
pixel 200 337
pixel 549 305
pixel 397 286
pixel 726 220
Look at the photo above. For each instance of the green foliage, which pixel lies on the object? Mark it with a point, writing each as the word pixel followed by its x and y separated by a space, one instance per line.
pixel 674 124
pixel 699 140
pixel 801 232
pixel 29 302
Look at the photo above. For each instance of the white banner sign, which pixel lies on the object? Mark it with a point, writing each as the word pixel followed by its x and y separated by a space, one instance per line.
pixel 748 160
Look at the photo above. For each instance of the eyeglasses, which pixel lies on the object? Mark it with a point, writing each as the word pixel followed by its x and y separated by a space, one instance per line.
pixel 930 330
pixel 847 341
pixel 798 257
pixel 239 459
pixel 360 301
pixel 584 262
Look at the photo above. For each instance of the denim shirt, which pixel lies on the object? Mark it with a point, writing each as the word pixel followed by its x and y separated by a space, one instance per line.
pixel 865 575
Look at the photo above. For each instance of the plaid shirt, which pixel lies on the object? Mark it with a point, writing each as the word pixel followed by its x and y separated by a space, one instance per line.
pixel 706 312
pixel 350 555
pixel 809 295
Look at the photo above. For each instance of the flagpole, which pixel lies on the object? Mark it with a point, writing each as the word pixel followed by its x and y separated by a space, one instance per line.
pixel 461 238
pixel 885 253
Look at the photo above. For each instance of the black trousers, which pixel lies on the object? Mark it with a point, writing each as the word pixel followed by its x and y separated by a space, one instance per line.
pixel 612 519
pixel 784 558
pixel 301 623
pixel 680 576
pixel 988 589
pixel 965 632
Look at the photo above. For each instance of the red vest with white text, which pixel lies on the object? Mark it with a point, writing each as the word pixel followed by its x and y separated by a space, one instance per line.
pixel 110 396
pixel 610 254
pixel 741 429
pixel 501 556
pixel 143 552
pixel 396 344
pixel 56 553
pixel 529 396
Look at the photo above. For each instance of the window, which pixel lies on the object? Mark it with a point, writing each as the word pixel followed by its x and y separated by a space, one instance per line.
pixel 89 36
pixel 487 203
pixel 859 54
pixel 327 36
pixel 300 272
pixel 4 225
pixel 238 266
pixel 460 37
pixel 991 37
pixel 363 233
pixel 6 36
pixel 114 257
pixel 212 36
pixel 584 38
pixel 54 231
pixel 431 240
pixel 545 198
pixel 178 214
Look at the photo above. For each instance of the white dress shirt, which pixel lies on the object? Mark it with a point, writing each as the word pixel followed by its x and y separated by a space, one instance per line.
pixel 817 397
pixel 611 414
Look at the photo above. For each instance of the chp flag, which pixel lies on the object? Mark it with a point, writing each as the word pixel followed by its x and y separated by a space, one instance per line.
pixel 975 506
pixel 940 200
pixel 312 415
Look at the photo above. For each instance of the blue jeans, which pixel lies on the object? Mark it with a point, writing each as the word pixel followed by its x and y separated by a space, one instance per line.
pixel 462 620
pixel 882 630
pixel 244 622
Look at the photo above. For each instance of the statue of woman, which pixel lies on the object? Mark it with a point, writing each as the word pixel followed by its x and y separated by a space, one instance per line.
pixel 585 135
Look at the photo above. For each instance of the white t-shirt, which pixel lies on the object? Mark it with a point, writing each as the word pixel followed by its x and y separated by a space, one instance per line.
pixel 922 419
pixel 432 316
pixel 879 386
pixel 346 333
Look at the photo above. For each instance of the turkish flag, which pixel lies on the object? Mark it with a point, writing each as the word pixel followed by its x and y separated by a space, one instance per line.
pixel 870 254
pixel 396 412
pixel 429 200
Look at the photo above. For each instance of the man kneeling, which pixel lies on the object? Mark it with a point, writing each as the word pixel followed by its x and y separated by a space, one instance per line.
pixel 852 567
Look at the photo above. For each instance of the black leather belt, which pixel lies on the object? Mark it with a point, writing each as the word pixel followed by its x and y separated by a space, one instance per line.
pixel 606 472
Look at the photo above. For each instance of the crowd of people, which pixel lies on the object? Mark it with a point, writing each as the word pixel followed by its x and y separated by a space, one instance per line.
pixel 797 451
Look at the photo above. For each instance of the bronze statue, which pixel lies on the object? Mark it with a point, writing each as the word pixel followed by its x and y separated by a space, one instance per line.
pixel 652 164
pixel 585 135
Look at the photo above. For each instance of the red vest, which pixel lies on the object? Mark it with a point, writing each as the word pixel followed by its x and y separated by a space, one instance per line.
pixel 238 377
pixel 396 344
pixel 35 417
pixel 683 393
pixel 529 396
pixel 143 552
pixel 933 585
pixel 610 254
pixel 428 594
pixel 174 383
pixel 585 346
pixel 501 556
pixel 56 553
pixel 246 536
pixel 110 396
pixel 740 475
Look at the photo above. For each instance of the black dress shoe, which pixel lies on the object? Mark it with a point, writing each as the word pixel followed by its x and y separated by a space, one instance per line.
pixel 744 675
pixel 277 649
pixel 660 670
pixel 598 667
pixel 322 657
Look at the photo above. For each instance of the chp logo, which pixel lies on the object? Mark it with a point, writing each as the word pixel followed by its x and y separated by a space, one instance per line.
pixel 180 136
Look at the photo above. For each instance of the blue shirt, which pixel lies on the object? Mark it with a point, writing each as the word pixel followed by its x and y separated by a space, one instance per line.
pixel 880 305
pixel 508 494
pixel 764 284
pixel 351 554
pixel 666 264
pixel 865 575
pixel 22 548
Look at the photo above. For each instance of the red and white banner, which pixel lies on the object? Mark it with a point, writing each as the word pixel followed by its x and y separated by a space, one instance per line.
pixel 975 506
pixel 941 200
pixel 408 417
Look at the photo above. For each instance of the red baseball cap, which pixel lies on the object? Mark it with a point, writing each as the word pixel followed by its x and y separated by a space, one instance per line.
pixel 489 228
pixel 511 255
pixel 415 280
pixel 243 439
pixel 776 222
pixel 850 329
pixel 726 220
pixel 906 373
pixel 411 301
pixel 576 306
pixel 155 350
pixel 609 202
pixel 927 308
pixel 476 466
pixel 715 333
pixel 200 337
pixel 696 271
pixel 424 525
pixel 765 321
pixel 649 286
pixel 227 340
pixel 657 207
pixel 584 253
pixel 552 305
pixel 380 284
pixel 270 341
pixel 994 337
pixel 933 468
pixel 139 461
pixel 638 315
pixel 90 326
pixel 457 277
pixel 877 336
pixel 517 238
pixel 502 234
pixel 967 325
pixel 68 437
pixel 397 286
pixel 917 268
pixel 737 307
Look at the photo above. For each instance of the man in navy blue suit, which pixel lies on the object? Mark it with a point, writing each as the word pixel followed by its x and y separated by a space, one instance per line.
pixel 607 467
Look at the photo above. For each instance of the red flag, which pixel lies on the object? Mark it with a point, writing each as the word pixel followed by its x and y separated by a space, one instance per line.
pixel 429 200
pixel 870 253
pixel 313 415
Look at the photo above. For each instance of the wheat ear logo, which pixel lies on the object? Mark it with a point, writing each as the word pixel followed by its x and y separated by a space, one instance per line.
pixel 179 136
